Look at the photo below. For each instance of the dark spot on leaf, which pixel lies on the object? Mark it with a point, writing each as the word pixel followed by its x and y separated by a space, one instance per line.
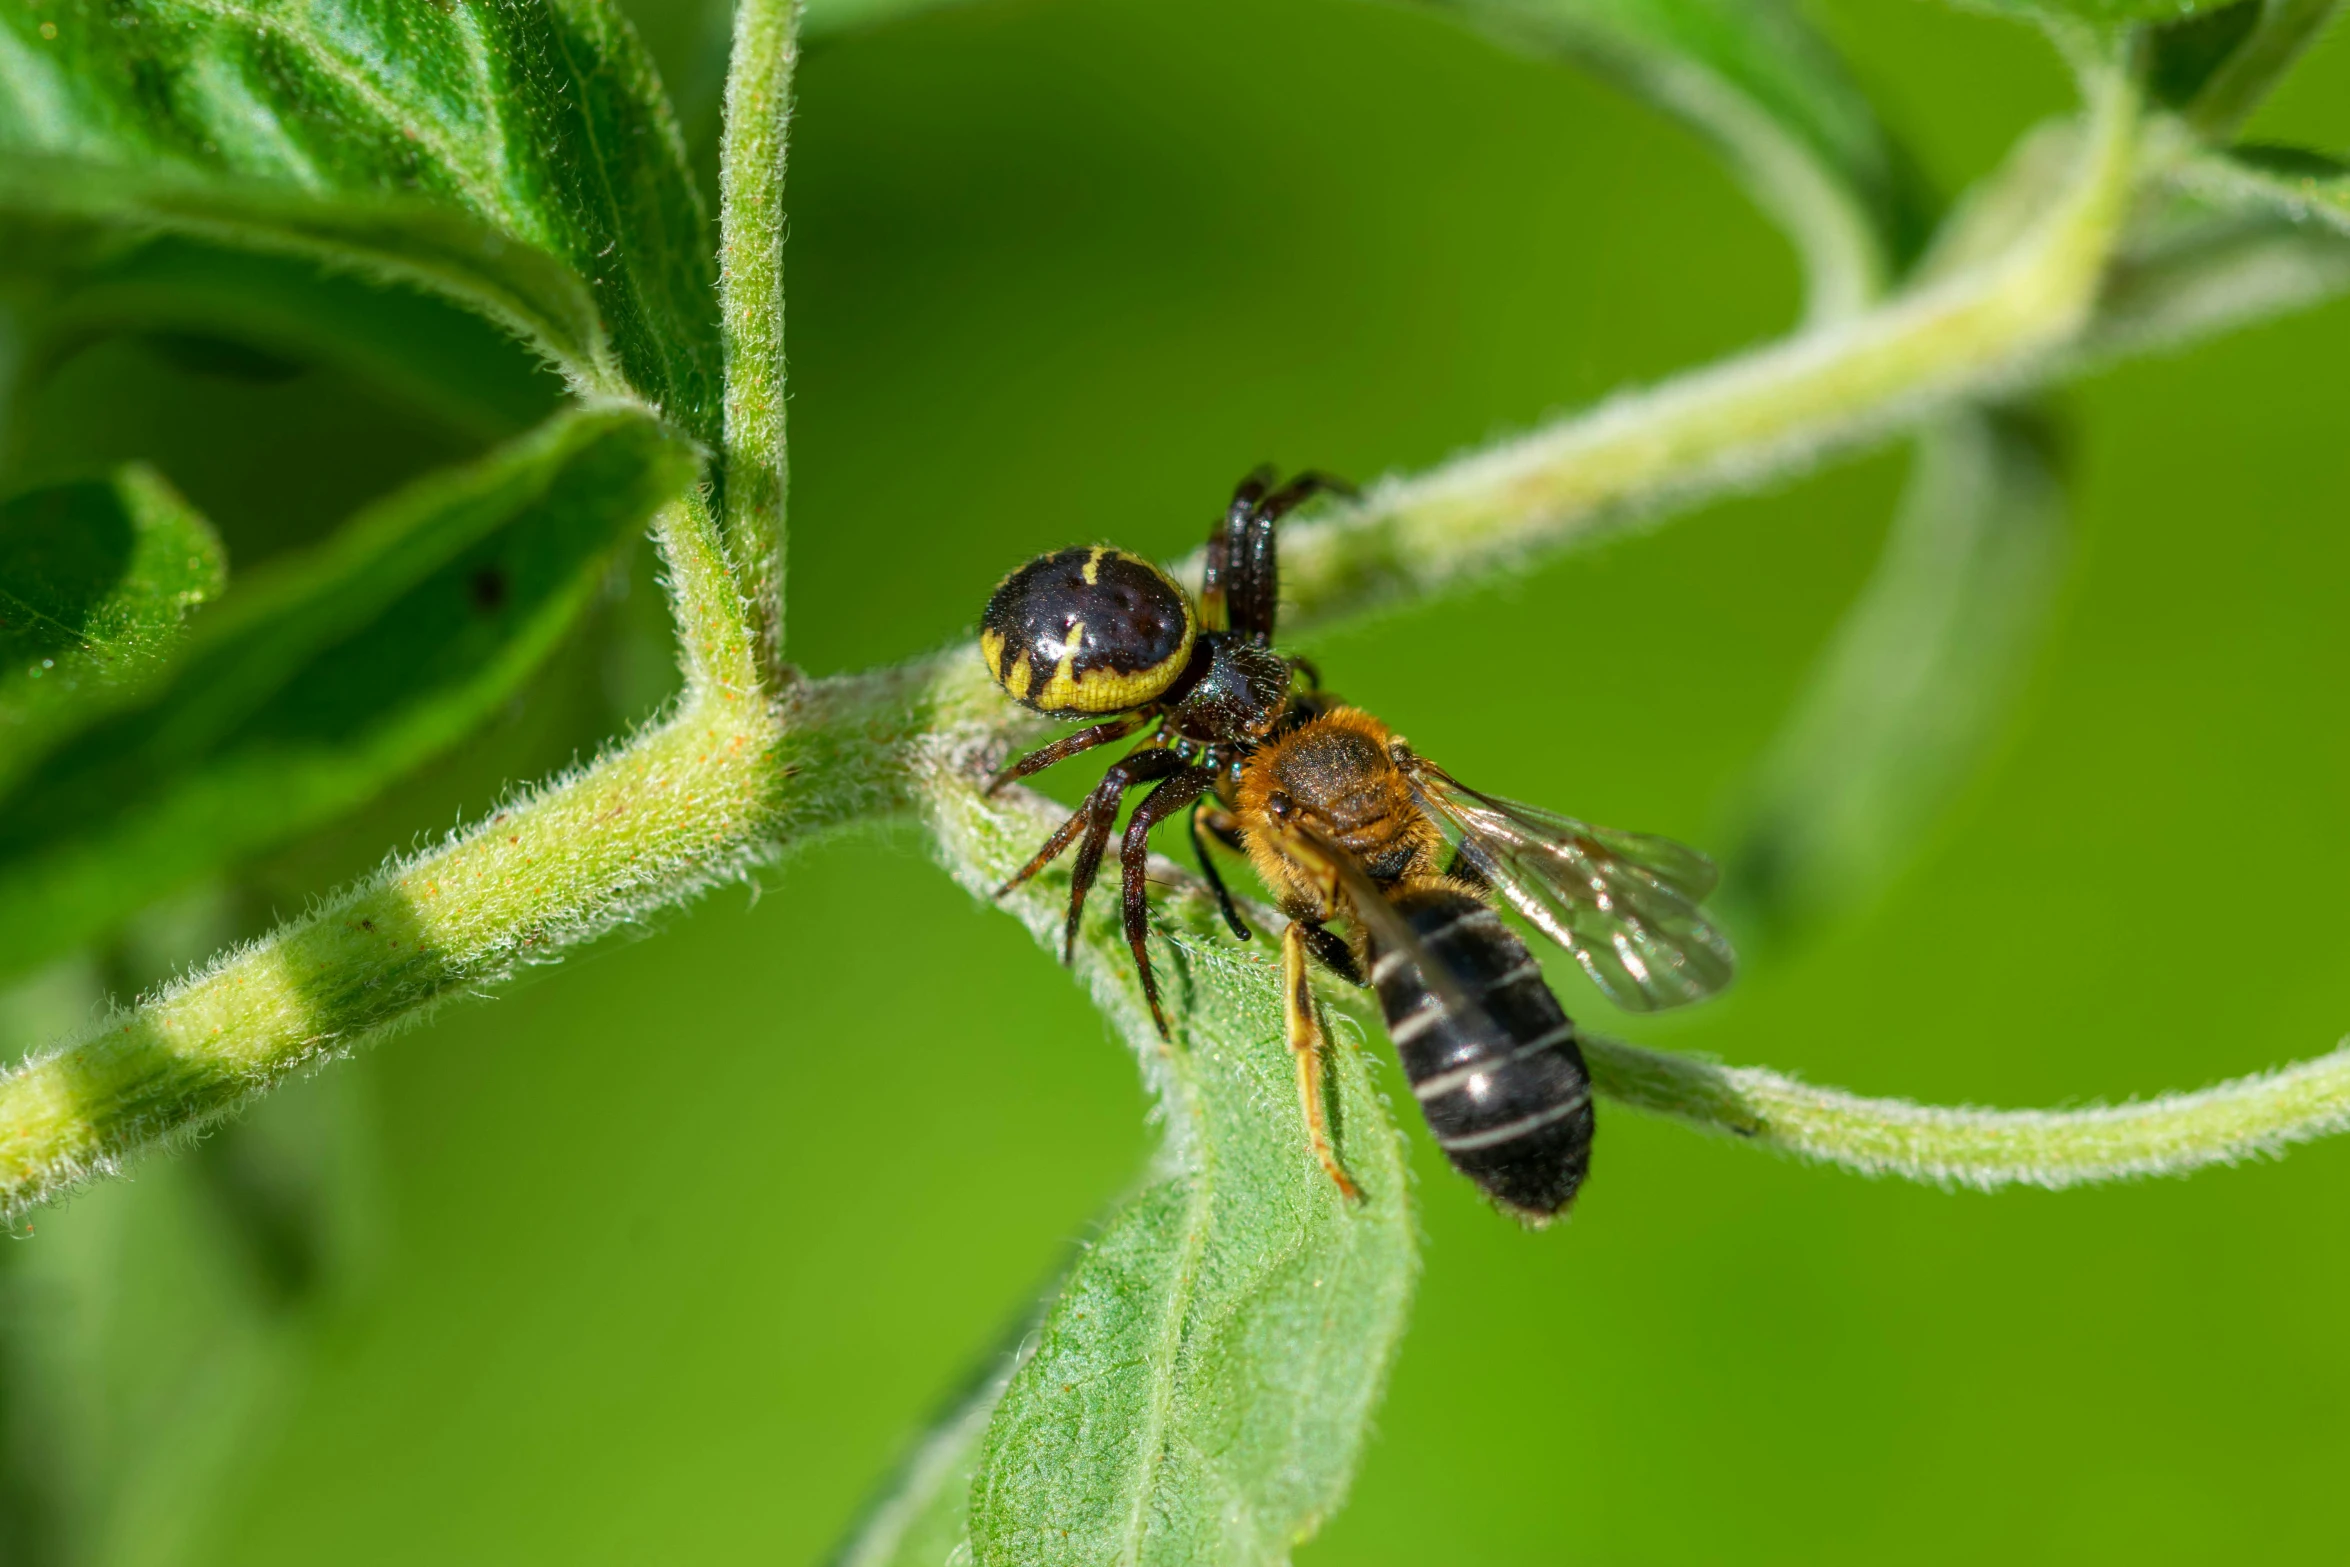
pixel 487 589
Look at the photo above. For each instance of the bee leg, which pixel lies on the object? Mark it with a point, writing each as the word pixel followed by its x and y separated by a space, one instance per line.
pixel 1207 867
pixel 1302 1018
pixel 1134 862
pixel 1067 746
pixel 1333 954
pixel 1222 826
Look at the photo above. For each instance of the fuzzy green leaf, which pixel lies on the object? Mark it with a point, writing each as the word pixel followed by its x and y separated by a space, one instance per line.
pixel 1920 677
pixel 64 218
pixel 924 1514
pixel 1201 1389
pixel 445 362
pixel 306 691
pixel 96 580
pixel 1756 80
pixel 519 155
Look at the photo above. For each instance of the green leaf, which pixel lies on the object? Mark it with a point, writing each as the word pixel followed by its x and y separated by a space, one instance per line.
pixel 309 689
pixel 96 580
pixel 183 291
pixel 1757 81
pixel 2216 70
pixel 63 216
pixel 536 129
pixel 1920 679
pixel 924 1514
pixel 1202 1387
pixel 2183 56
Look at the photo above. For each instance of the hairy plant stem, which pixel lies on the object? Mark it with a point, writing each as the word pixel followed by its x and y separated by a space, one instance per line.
pixel 1761 415
pixel 2173 1134
pixel 750 296
pixel 754 761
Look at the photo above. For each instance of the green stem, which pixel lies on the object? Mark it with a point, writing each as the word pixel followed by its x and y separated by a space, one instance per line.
pixel 2285 29
pixel 746 768
pixel 750 293
pixel 675 808
pixel 1736 424
pixel 2243 1118
pixel 726 781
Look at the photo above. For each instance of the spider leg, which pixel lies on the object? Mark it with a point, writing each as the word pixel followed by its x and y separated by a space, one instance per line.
pixel 1248 493
pixel 1226 834
pixel 1172 795
pixel 1249 559
pixel 1099 811
pixel 1101 815
pixel 1300 489
pixel 1067 746
pixel 1214 613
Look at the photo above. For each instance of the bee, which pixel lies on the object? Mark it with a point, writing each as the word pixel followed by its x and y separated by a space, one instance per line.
pixel 1388 868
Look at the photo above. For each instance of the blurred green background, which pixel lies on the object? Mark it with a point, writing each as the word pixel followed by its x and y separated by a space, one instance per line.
pixel 669 1253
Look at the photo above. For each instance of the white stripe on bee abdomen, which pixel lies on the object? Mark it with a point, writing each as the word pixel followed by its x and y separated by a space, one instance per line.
pixel 1454 1078
pixel 1516 1129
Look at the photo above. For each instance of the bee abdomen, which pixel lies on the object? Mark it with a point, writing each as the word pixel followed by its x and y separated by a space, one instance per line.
pixel 1506 1094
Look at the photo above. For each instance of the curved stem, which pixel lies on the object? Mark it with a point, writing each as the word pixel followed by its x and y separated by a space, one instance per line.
pixel 2243 1118
pixel 746 766
pixel 727 781
pixel 1762 414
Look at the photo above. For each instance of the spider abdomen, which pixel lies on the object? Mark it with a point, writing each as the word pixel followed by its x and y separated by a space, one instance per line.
pixel 1087 631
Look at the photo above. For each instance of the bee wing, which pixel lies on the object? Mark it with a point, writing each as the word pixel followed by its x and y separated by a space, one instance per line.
pixel 1624 903
pixel 1392 931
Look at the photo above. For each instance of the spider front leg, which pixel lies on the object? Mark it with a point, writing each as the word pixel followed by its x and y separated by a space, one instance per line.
pixel 1094 818
pixel 1134 861
pixel 1067 746
pixel 1250 574
pixel 1309 1045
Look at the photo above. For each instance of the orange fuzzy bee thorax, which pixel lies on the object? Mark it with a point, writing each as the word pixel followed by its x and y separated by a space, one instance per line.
pixel 1338 775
